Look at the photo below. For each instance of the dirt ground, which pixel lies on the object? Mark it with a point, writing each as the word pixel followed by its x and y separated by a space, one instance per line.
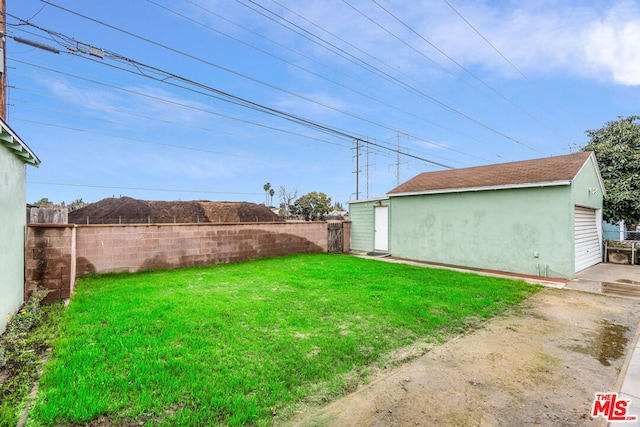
pixel 538 366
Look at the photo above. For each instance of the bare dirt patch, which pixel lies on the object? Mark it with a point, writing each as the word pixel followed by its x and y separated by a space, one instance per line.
pixel 538 366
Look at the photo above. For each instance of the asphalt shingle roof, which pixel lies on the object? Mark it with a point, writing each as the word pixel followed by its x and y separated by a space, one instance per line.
pixel 522 173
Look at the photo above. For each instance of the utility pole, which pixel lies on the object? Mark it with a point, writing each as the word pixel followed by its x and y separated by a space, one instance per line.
pixel 366 167
pixel 3 58
pixel 398 161
pixel 357 168
pixel 366 171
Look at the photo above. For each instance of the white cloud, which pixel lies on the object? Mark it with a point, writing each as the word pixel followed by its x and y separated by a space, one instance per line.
pixel 595 40
pixel 613 44
pixel 158 103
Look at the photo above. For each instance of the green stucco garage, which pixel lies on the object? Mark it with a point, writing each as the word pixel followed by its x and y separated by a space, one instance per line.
pixel 537 217
pixel 14 156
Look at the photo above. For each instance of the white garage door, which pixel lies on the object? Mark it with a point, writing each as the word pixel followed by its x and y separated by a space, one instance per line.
pixel 588 251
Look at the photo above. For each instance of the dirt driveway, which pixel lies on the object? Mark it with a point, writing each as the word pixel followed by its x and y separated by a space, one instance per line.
pixel 540 366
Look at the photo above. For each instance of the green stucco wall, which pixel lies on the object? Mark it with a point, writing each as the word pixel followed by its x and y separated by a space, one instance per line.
pixel 494 229
pixel 362 219
pixel 12 229
pixel 587 178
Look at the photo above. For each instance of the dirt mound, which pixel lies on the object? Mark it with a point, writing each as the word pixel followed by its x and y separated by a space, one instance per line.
pixel 126 210
pixel 178 212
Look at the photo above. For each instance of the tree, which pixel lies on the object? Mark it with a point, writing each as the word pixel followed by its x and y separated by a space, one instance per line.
pixel 266 187
pixel 337 206
pixel 43 203
pixel 271 193
pixel 77 204
pixel 313 206
pixel 617 149
pixel 287 197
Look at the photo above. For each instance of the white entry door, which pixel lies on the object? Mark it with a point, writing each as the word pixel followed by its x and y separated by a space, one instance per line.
pixel 381 231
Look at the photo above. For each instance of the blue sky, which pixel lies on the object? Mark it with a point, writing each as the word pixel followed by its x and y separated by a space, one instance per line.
pixel 452 83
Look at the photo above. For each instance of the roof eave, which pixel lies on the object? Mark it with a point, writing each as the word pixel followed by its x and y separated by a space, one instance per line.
pixel 9 139
pixel 375 199
pixel 487 188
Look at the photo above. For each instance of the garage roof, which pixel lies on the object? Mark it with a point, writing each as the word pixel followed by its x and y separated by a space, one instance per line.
pixel 9 139
pixel 550 171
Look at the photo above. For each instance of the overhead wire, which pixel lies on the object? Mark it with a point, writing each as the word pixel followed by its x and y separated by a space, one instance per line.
pixel 402 84
pixel 174 103
pixel 309 137
pixel 503 56
pixel 344 136
pixel 346 42
pixel 119 187
pixel 398 82
pixel 222 95
pixel 465 69
pixel 173 123
pixel 349 88
pixel 127 138
pixel 226 69
pixel 431 99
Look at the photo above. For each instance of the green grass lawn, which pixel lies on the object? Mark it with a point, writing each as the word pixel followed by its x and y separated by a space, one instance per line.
pixel 237 344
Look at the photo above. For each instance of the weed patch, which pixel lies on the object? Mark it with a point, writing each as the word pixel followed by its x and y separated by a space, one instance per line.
pixel 22 349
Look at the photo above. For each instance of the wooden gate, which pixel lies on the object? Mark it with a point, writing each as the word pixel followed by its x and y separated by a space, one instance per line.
pixel 335 243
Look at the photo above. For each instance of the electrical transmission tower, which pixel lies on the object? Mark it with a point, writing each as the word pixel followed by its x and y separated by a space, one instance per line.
pixel 398 162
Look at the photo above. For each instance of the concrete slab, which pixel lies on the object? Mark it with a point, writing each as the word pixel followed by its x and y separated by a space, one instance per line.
pixel 611 279
pixel 606 272
pixel 631 384
pixel 632 409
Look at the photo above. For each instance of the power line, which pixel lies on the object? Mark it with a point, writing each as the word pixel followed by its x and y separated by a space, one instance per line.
pixel 316 126
pixel 78 47
pixel 170 102
pixel 180 105
pixel 132 62
pixel 395 80
pixel 119 187
pixel 465 69
pixel 144 141
pixel 184 106
pixel 227 97
pixel 501 54
pixel 349 88
pixel 403 41
pixel 470 137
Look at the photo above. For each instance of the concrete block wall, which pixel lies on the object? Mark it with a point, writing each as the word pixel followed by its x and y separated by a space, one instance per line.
pixel 56 254
pixel 49 260
pixel 115 248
